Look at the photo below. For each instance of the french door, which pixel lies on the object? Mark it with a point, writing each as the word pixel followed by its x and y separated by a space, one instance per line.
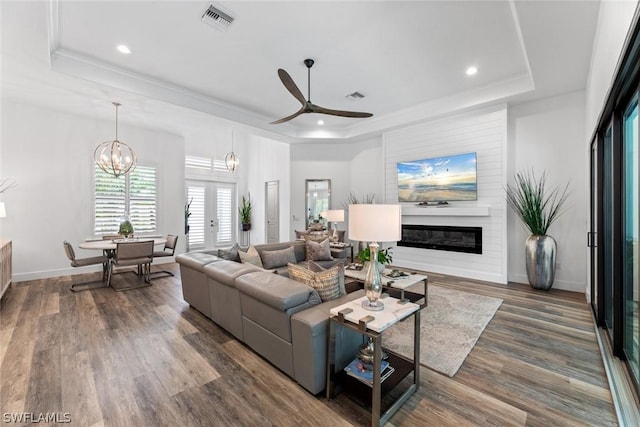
pixel 212 223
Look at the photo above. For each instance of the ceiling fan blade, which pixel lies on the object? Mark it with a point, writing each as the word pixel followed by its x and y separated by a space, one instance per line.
pixel 341 113
pixel 288 82
pixel 286 119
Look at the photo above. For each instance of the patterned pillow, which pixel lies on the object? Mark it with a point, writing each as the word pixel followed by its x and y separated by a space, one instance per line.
pixel 326 283
pixel 280 258
pixel 316 268
pixel 251 256
pixel 318 251
pixel 301 234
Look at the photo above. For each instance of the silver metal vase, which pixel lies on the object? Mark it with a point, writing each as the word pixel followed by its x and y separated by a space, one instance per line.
pixel 540 260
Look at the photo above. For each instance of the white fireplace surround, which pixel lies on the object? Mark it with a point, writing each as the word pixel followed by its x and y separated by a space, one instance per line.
pixel 485 133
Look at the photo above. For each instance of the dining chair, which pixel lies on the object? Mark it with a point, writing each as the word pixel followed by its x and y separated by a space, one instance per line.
pixel 83 262
pixel 168 250
pixel 140 254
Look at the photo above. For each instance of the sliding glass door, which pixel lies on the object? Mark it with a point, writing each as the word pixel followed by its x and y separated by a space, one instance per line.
pixel 631 242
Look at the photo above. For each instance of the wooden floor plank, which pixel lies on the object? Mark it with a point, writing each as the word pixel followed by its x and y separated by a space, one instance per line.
pixel 144 357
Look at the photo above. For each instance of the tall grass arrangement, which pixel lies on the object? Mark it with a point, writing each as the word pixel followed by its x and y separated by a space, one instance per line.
pixel 536 207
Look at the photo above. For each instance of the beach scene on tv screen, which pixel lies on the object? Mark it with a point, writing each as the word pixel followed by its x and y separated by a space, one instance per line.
pixel 448 178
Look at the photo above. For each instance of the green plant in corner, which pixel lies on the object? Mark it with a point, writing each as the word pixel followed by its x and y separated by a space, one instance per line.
pixel 245 212
pixel 536 210
pixel 384 256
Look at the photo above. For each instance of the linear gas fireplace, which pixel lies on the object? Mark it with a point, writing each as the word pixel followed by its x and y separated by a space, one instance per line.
pixel 443 238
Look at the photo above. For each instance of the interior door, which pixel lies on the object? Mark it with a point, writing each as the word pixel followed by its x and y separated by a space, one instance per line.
pixel 212 220
pixel 272 197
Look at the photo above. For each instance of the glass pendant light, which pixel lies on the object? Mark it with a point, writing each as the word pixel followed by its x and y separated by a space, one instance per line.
pixel 115 157
pixel 231 159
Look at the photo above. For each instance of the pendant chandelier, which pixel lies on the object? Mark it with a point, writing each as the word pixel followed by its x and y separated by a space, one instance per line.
pixel 115 157
pixel 231 159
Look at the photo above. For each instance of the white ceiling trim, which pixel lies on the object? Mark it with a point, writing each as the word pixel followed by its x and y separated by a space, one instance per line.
pixel 91 69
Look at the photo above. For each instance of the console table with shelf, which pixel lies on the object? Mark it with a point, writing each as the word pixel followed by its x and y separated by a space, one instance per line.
pixel 5 265
pixel 373 324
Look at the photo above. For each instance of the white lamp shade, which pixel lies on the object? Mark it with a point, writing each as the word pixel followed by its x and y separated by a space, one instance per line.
pixel 336 215
pixel 3 212
pixel 375 223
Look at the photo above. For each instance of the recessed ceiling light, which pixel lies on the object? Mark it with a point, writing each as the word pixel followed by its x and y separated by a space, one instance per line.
pixel 320 122
pixel 471 71
pixel 123 49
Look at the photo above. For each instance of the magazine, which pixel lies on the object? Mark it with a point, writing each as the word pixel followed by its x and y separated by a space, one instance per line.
pixel 356 370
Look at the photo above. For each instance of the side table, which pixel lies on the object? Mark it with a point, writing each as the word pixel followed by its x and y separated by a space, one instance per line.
pixel 372 325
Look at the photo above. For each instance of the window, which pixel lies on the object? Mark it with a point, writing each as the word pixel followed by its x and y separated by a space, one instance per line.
pixel 134 193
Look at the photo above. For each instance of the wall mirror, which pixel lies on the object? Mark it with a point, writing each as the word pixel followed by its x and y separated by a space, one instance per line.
pixel 318 200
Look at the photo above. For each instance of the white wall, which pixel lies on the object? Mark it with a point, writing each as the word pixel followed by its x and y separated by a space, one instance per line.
pixel 268 160
pixel 485 133
pixel 50 155
pixel 351 167
pixel 548 135
pixel 614 21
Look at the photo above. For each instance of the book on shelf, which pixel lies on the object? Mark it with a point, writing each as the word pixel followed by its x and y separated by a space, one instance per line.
pixel 356 370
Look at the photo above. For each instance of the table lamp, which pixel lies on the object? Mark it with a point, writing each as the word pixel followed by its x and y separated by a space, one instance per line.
pixel 335 216
pixel 373 224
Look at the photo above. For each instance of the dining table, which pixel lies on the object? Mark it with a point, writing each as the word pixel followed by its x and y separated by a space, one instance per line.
pixel 109 246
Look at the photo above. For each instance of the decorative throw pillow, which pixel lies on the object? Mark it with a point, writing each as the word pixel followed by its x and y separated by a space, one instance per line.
pixel 279 258
pixel 326 283
pixel 316 268
pixel 251 256
pixel 301 234
pixel 318 251
pixel 231 254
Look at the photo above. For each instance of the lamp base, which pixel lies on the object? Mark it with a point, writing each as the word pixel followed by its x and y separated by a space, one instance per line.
pixel 373 306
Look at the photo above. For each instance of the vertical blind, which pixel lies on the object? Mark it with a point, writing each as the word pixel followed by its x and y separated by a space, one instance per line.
pixel 224 211
pixel 195 195
pixel 135 193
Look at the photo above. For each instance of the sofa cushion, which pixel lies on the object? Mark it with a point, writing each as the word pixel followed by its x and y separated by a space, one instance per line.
pixel 318 251
pixel 251 256
pixel 278 258
pixel 326 283
pixel 196 260
pixel 298 247
pixel 276 291
pixel 317 268
pixel 225 272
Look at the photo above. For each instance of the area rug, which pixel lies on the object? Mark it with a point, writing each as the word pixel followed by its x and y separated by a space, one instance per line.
pixel 451 325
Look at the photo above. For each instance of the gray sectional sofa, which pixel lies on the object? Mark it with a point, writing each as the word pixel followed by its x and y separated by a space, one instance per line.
pixel 281 319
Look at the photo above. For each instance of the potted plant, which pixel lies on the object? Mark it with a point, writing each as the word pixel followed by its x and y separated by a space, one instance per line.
pixel 537 208
pixel 384 257
pixel 126 229
pixel 187 214
pixel 245 213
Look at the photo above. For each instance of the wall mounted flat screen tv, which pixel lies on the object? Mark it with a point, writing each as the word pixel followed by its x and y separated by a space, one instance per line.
pixel 439 179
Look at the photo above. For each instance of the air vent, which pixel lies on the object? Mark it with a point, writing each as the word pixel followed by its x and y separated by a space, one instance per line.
pixel 217 18
pixel 355 96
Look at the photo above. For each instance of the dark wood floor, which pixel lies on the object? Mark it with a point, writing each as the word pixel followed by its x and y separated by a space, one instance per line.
pixel 144 357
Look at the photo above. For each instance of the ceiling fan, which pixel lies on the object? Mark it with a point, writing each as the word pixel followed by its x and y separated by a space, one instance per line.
pixel 307 105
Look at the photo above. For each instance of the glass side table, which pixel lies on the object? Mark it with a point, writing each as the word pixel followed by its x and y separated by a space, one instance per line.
pixel 373 325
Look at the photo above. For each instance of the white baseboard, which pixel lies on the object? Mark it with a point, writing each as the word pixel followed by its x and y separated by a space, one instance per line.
pixel 565 285
pixel 456 271
pixel 70 271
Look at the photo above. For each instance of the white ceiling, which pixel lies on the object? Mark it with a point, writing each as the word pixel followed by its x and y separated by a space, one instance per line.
pixel 408 58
